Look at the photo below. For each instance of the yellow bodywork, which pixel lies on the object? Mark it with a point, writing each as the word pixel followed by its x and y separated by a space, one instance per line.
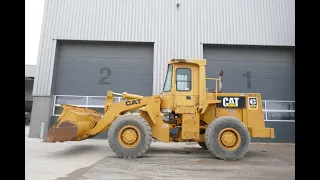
pixel 253 118
pixel 190 110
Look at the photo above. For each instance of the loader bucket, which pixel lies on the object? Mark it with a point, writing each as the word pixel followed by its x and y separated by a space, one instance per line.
pixel 73 124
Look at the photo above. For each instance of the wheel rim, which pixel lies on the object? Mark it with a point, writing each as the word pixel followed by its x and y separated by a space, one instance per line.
pixel 229 139
pixel 129 136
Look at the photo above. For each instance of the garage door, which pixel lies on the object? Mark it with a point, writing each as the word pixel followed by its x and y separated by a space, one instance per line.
pixel 265 70
pixel 92 68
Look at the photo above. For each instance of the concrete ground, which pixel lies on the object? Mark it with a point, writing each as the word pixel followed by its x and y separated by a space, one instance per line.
pixel 94 160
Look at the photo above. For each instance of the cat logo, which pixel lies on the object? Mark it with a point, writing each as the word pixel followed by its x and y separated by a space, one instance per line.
pixel 231 102
pixel 129 103
pixel 253 103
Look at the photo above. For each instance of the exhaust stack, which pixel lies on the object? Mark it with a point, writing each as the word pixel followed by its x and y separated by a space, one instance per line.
pixel 220 81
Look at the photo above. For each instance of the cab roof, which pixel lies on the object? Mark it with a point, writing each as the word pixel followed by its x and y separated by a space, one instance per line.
pixel 192 61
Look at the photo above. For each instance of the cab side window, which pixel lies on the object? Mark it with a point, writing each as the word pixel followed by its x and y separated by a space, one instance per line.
pixel 183 78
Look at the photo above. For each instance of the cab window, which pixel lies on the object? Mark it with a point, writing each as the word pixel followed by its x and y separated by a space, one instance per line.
pixel 167 84
pixel 183 79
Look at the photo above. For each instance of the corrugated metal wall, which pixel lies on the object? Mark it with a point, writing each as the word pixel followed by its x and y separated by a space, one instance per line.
pixel 176 32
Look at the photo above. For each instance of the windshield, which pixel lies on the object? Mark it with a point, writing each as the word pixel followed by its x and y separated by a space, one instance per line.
pixel 168 81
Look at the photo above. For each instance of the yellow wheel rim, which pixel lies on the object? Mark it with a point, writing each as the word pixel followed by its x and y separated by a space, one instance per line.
pixel 229 139
pixel 129 136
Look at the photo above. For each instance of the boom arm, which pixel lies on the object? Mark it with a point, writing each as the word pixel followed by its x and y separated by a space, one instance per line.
pixel 112 111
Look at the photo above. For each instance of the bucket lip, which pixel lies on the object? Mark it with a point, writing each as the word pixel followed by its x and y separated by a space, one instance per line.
pixel 68 128
pixel 78 109
pixel 87 114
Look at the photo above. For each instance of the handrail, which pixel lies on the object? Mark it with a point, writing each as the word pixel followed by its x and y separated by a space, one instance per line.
pixel 216 89
pixel 266 110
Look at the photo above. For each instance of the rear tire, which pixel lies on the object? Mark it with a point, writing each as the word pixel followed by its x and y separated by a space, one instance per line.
pixel 130 136
pixel 227 138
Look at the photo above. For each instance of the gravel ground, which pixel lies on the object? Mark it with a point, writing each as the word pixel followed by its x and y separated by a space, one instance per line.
pixel 94 160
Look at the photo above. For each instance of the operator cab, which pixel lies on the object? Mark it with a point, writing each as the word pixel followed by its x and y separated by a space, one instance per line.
pixel 185 84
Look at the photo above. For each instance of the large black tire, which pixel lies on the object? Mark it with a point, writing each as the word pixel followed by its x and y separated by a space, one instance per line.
pixel 142 145
pixel 212 138
pixel 203 145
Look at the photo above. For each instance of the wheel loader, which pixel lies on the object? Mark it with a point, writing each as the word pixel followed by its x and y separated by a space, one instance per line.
pixel 186 111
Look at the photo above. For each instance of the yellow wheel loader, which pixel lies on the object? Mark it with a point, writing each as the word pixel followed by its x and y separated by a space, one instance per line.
pixel 186 111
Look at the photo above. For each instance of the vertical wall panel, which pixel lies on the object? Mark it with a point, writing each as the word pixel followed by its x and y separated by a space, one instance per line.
pixel 176 32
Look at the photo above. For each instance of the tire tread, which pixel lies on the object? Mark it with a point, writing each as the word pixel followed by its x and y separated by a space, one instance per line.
pixel 116 147
pixel 211 142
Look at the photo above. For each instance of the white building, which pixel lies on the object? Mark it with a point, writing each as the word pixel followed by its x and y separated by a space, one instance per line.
pixel 90 46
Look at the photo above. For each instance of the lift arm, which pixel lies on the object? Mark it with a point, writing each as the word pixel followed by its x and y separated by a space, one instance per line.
pixel 112 111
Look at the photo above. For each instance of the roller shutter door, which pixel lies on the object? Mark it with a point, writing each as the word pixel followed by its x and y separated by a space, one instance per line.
pixel 92 68
pixel 266 70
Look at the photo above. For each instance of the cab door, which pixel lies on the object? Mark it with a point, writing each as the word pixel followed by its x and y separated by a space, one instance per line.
pixel 186 86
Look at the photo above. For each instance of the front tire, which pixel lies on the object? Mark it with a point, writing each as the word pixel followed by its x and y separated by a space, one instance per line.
pixel 227 138
pixel 203 145
pixel 130 136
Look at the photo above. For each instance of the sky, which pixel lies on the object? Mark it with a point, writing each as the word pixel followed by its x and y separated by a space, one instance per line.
pixel 33 20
